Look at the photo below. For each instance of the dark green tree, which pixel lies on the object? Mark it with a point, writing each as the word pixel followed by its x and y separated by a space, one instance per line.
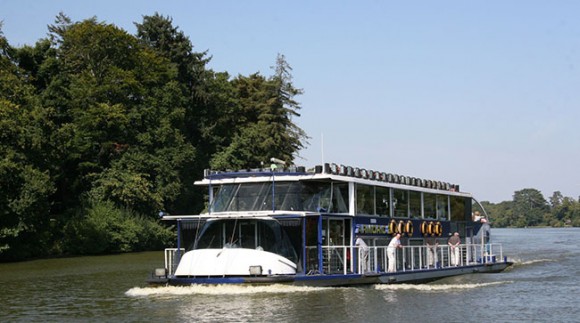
pixel 529 207
pixel 159 34
pixel 25 184
pixel 265 126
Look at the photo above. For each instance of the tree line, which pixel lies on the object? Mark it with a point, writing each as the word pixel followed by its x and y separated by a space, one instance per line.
pixel 101 129
pixel 529 208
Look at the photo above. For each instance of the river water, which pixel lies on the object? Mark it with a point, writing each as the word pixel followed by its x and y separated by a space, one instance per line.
pixel 542 286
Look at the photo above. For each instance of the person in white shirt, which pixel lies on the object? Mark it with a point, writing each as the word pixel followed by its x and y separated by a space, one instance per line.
pixel 392 252
pixel 363 252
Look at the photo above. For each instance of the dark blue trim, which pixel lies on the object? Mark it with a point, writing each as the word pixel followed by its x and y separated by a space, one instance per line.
pixel 224 280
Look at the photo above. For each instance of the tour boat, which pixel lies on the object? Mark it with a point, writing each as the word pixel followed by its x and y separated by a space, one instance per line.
pixel 290 225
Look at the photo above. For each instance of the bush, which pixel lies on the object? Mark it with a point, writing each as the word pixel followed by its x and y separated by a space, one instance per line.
pixel 104 228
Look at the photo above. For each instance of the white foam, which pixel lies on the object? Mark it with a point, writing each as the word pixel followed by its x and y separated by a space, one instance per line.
pixel 219 290
pixel 437 287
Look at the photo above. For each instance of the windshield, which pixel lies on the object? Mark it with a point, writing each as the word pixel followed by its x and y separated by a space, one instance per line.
pixel 258 234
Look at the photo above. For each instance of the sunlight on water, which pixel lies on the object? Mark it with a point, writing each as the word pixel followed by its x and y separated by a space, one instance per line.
pixel 219 290
pixel 437 287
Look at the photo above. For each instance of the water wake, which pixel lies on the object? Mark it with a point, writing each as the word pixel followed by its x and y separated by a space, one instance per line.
pixel 219 290
pixel 438 287
pixel 519 262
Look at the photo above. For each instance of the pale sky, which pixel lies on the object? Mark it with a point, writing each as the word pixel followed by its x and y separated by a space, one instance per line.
pixel 484 94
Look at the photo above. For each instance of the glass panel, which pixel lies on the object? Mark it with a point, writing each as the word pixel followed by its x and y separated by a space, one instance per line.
pixel 291 196
pixel 429 206
pixel 339 198
pixel 400 203
pixel 457 208
pixel 222 197
pixel 237 233
pixel 415 204
pixel 288 196
pixel 365 199
pixel 382 201
pixel 316 196
pixel 442 207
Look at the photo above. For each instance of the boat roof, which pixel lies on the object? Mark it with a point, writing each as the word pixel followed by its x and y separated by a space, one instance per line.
pixel 329 172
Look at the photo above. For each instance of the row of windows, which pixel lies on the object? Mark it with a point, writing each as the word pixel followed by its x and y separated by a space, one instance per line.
pixel 391 202
pixel 334 197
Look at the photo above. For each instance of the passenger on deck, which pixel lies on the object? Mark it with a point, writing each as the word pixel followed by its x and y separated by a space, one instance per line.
pixel 454 242
pixel 432 245
pixel 392 252
pixel 363 251
pixel 483 237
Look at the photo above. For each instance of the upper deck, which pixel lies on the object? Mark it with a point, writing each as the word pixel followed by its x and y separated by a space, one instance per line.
pixel 333 189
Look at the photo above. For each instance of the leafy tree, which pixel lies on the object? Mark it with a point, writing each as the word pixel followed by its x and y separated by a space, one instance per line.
pixel 556 199
pixel 25 184
pixel 158 33
pixel 264 128
pixel 123 107
pixel 529 207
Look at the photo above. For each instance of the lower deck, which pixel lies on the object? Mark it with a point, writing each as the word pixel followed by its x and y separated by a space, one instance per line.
pixel 413 264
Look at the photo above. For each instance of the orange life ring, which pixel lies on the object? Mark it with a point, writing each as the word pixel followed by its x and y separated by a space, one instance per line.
pixel 424 228
pixel 401 227
pixel 409 228
pixel 392 227
pixel 438 229
pixel 430 228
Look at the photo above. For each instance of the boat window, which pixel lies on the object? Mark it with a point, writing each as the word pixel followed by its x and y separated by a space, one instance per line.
pixel 242 197
pixel 339 198
pixel 457 208
pixel 288 196
pixel 246 233
pixel 415 204
pixel 429 206
pixel 365 199
pixel 325 197
pixel 382 201
pixel 317 196
pixel 222 197
pixel 400 203
pixel 442 207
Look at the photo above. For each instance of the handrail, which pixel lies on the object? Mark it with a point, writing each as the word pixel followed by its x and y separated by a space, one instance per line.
pixel 172 258
pixel 337 258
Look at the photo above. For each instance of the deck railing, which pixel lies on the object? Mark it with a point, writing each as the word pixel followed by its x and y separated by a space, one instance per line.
pixel 337 259
pixel 172 258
